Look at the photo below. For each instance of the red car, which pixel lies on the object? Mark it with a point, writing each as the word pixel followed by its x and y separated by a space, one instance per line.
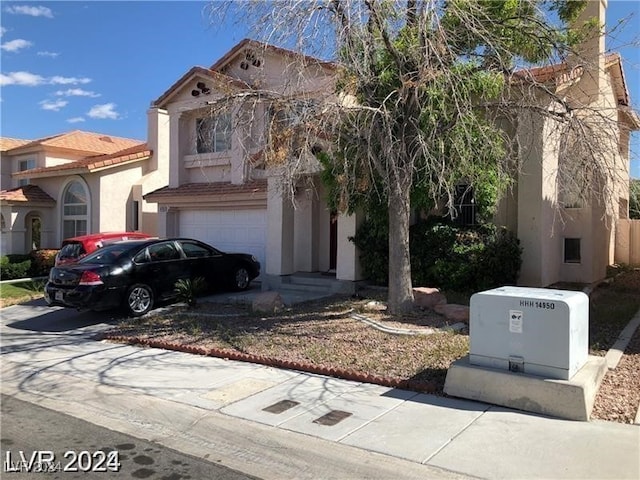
pixel 75 248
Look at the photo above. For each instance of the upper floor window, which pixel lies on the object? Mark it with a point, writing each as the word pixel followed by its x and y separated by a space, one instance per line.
pixel 291 114
pixel 213 134
pixel 25 165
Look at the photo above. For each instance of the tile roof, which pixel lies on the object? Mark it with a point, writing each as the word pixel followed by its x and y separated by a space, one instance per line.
pixel 561 73
pixel 192 190
pixel 7 143
pixel 89 142
pixel 93 163
pixel 26 193
pixel 218 77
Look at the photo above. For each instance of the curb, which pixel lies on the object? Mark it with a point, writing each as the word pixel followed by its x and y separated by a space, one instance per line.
pixel 614 354
pixel 343 373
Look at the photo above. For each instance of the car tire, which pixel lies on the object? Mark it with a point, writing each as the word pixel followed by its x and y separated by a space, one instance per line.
pixel 241 278
pixel 139 299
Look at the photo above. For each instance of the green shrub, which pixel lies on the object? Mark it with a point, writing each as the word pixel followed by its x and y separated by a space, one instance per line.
pixel 372 238
pixel 10 270
pixel 42 261
pixel 187 290
pixel 445 256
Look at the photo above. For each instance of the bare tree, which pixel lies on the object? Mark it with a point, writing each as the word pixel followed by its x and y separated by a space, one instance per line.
pixel 421 92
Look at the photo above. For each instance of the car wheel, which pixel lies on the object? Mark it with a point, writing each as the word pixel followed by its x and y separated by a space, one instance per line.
pixel 241 279
pixel 139 299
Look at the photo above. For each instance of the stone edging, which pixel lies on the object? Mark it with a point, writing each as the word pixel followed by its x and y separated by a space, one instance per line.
pixel 343 373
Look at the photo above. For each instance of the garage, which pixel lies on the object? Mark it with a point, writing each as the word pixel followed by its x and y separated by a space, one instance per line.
pixel 243 230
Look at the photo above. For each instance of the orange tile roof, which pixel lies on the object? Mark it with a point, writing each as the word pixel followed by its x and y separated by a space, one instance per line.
pixel 208 189
pixel 93 163
pixel 7 143
pixel 26 193
pixel 89 142
pixel 560 73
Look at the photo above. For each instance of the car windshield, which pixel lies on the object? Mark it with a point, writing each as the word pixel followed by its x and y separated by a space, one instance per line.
pixel 108 255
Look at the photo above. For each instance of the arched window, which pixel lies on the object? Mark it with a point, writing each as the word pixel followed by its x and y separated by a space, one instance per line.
pixel 75 210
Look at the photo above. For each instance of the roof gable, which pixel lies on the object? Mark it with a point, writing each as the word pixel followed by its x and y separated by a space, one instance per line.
pixel 231 55
pixel 196 73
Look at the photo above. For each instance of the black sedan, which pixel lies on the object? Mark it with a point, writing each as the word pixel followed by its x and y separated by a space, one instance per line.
pixel 136 274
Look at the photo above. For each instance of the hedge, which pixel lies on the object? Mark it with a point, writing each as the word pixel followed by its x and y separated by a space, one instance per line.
pixel 446 256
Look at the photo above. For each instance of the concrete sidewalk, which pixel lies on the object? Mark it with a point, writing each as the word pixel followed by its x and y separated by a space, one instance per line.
pixel 282 424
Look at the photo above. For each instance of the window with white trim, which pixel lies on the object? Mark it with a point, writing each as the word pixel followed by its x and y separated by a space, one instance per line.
pixel 75 210
pixel 213 134
pixel 25 165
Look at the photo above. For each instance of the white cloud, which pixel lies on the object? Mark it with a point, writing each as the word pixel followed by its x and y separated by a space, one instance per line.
pixel 2 31
pixel 53 106
pixel 106 110
pixel 21 78
pixel 29 79
pixel 57 80
pixel 75 120
pixel 48 54
pixel 76 92
pixel 28 10
pixel 15 45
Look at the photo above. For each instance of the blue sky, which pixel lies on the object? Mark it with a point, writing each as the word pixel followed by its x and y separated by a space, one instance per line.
pixel 96 66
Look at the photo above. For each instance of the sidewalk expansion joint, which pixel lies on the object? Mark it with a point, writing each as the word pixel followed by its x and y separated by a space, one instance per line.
pixel 464 429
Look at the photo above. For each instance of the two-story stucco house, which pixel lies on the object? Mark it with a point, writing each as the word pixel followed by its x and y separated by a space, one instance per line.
pixel 220 192
pixel 72 184
pixel 566 238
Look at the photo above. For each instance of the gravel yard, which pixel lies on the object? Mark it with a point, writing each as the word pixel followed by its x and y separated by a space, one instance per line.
pixel 323 335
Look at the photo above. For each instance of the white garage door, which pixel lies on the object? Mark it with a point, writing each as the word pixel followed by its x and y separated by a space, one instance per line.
pixel 243 231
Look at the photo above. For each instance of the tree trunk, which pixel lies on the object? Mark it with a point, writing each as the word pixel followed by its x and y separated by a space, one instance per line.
pixel 400 288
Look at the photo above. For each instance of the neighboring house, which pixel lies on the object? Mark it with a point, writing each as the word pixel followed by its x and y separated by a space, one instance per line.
pixel 220 192
pixel 72 184
pixel 566 238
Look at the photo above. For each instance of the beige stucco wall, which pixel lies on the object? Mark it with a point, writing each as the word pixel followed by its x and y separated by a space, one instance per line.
pixel 536 200
pixel 281 73
pixel 115 199
pixel 628 242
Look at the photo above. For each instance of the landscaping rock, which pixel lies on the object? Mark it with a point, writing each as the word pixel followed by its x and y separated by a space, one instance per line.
pixel 453 312
pixel 374 306
pixel 267 302
pixel 427 297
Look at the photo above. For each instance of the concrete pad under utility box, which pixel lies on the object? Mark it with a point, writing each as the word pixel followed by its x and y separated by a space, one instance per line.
pixel 571 399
